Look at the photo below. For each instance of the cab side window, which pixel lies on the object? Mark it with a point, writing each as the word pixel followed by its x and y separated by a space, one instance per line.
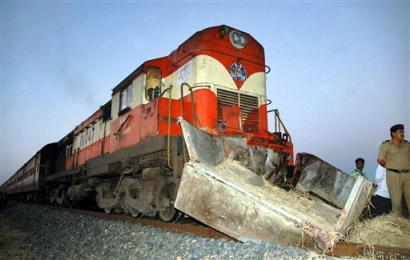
pixel 153 83
pixel 126 98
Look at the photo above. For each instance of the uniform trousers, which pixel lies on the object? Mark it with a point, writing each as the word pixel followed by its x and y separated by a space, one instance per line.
pixel 398 185
pixel 381 205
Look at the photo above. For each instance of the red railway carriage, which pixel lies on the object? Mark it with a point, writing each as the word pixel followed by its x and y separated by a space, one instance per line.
pixel 29 179
pixel 131 153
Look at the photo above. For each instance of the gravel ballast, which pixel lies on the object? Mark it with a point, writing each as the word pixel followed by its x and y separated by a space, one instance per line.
pixel 47 233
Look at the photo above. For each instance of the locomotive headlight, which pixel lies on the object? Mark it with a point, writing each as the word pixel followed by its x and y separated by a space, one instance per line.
pixel 238 40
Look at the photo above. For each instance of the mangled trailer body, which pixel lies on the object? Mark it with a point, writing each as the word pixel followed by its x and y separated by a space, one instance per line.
pixel 229 196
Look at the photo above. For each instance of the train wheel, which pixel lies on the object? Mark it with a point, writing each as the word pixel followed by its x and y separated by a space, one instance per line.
pixel 178 216
pixel 61 197
pixel 168 214
pixel 135 213
pixel 52 197
pixel 69 203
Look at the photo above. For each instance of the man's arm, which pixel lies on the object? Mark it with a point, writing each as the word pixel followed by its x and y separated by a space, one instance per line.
pixel 381 162
pixel 381 157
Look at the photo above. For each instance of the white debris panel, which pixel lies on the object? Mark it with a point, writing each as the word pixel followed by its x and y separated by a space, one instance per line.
pixel 224 194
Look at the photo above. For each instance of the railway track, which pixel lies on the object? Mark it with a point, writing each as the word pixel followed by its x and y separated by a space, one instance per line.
pixel 185 225
pixel 189 225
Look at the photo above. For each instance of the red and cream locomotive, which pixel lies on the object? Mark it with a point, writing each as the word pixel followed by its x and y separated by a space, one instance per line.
pixel 130 153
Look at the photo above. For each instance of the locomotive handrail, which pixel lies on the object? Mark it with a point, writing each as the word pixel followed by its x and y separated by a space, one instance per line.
pixel 279 123
pixel 169 127
pixel 267 67
pixel 165 90
pixel 182 97
pixel 194 114
pixel 190 88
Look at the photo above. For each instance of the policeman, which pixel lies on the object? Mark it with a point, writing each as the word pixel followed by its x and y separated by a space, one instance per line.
pixel 359 168
pixel 394 155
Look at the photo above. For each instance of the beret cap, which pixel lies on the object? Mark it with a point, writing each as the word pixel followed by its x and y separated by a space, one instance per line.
pixel 396 127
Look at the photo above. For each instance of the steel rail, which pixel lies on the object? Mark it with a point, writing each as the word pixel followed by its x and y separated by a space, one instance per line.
pixel 184 226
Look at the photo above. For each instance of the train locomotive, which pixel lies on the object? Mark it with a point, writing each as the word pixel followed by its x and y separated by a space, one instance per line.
pixel 129 155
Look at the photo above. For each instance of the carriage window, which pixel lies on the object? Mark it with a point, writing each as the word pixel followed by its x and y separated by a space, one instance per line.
pixel 67 151
pixel 126 97
pixel 153 83
pixel 82 139
pixel 89 135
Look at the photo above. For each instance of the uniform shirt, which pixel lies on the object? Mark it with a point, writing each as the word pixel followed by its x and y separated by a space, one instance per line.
pixel 358 172
pixel 397 158
pixel 380 180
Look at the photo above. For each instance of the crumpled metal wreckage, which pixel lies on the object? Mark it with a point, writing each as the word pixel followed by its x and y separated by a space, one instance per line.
pixel 226 186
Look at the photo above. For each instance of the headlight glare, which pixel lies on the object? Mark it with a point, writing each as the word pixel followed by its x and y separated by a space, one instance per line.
pixel 238 39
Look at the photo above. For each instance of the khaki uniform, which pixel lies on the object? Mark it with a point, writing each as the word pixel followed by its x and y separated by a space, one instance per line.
pixel 397 159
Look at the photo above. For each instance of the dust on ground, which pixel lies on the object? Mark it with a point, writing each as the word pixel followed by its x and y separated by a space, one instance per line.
pixel 13 238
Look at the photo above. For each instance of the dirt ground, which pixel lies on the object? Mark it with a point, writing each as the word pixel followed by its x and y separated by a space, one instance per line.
pixel 12 239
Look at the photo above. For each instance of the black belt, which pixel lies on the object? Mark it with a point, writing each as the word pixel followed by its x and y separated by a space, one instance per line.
pixel 398 171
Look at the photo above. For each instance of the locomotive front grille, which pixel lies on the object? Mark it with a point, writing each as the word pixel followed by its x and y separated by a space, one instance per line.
pixel 248 105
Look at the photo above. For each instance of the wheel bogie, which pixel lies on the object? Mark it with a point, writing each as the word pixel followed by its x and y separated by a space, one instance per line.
pixel 148 194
